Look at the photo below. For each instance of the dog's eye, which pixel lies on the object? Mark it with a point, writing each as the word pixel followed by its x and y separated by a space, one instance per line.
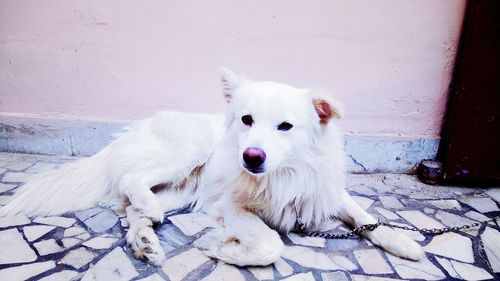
pixel 247 120
pixel 284 126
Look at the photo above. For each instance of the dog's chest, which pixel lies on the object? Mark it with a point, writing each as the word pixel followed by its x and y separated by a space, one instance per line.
pixel 280 198
pixel 282 206
pixel 283 219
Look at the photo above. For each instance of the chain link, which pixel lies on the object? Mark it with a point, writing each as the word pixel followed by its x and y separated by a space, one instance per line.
pixel 370 227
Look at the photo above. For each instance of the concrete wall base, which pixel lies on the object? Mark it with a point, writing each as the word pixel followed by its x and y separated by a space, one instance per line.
pixel 83 137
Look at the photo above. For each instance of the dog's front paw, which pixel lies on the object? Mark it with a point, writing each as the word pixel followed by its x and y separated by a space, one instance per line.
pixel 404 247
pixel 397 243
pixel 146 245
pixel 241 249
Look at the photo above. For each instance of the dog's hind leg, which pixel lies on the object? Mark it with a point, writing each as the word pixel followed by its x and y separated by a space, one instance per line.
pixel 142 238
pixel 179 174
pixel 383 236
pixel 137 188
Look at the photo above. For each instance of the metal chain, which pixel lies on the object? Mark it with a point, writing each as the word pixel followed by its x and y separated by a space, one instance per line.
pixel 370 227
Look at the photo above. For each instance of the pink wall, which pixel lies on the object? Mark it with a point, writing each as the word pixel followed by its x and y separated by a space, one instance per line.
pixel 388 61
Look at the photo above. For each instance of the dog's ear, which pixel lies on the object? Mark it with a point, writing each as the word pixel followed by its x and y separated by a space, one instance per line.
pixel 326 107
pixel 230 82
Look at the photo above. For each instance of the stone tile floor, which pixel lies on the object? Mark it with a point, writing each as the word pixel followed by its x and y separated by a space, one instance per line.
pixel 90 244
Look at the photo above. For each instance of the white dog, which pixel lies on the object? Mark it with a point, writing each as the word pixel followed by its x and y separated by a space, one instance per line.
pixel 276 154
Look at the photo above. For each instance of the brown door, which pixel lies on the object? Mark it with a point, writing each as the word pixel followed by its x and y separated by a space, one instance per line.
pixel 470 139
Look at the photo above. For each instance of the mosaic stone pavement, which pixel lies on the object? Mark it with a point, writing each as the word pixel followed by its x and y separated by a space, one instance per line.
pixel 90 244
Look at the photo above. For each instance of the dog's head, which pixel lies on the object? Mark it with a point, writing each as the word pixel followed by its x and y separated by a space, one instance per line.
pixel 274 125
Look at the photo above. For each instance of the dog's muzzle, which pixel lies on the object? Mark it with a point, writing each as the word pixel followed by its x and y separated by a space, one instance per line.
pixel 254 159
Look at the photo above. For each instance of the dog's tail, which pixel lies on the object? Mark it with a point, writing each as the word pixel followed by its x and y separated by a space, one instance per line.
pixel 73 186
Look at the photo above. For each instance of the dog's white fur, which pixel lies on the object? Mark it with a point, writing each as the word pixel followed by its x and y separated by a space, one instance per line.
pixel 198 159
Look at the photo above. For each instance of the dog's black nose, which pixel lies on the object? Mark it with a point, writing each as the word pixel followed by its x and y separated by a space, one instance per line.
pixel 254 157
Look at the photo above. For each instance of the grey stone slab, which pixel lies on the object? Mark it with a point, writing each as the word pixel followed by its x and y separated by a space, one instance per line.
pixel 56 220
pixel 262 272
pixel 342 262
pixel 470 272
pixel 372 262
pixel 102 221
pixel 170 236
pixel 342 244
pixel 451 245
pixel 84 215
pixel 364 202
pixel 423 269
pixel 101 242
pixel 306 240
pixel 420 220
pixel 410 202
pixel 78 258
pixel 192 223
pixel 410 186
pixel 476 216
pixel 283 267
pixel 309 258
pixel 36 231
pixel 464 271
pixel 46 247
pixel 361 189
pixel 114 266
pixel 334 276
pixel 61 276
pixel 429 211
pixel 453 220
pixel 70 242
pixel 24 272
pixel 494 193
pixel 4 199
pixel 152 277
pixel 16 177
pixel 305 276
pixel 6 187
pixel 387 214
pixel 83 236
pixel 179 266
pixel 445 204
pixel 16 165
pixel 481 204
pixel 415 235
pixel 223 271
pixel 491 243
pixel 373 181
pixel 42 167
pixel 446 264
pixel 391 202
pixel 16 220
pixel 14 249
pixel 356 277
pixel 73 231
